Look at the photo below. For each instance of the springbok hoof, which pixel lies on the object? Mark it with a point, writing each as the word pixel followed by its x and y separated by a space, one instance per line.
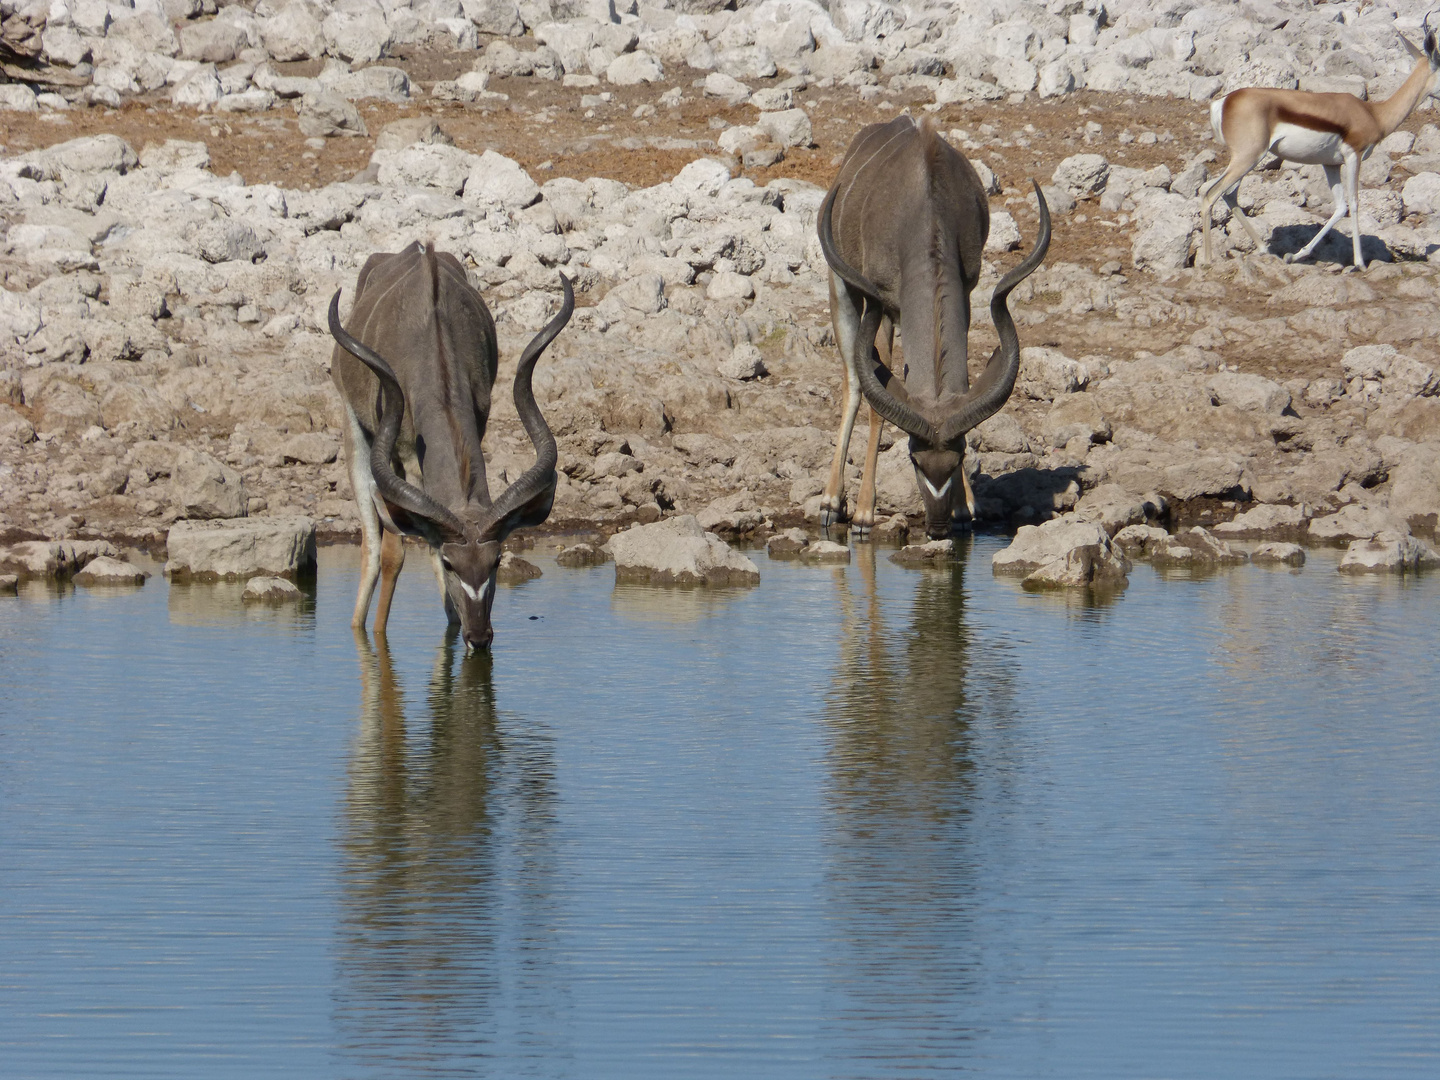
pixel 828 516
pixel 1352 269
pixel 1288 257
pixel 860 532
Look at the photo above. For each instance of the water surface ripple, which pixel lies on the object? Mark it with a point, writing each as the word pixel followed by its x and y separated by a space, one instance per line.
pixel 857 822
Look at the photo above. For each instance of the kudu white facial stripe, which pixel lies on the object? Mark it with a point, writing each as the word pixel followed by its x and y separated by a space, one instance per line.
pixel 483 592
pixel 934 494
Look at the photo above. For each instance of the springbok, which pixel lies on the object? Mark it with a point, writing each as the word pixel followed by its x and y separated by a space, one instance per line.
pixel 903 230
pixel 1337 131
pixel 417 402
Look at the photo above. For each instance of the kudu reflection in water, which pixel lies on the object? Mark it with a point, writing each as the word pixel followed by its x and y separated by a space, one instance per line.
pixel 902 791
pixel 436 823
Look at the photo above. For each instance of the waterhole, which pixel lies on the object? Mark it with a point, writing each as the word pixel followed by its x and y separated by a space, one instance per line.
pixel 859 822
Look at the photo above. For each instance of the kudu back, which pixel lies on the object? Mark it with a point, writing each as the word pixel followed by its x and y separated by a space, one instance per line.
pixel 903 230
pixel 414 370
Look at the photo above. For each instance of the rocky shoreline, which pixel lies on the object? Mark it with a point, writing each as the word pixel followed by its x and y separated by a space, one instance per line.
pixel 163 356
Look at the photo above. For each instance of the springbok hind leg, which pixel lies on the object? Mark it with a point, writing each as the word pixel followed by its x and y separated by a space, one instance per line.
pixel 1242 160
pixel 846 321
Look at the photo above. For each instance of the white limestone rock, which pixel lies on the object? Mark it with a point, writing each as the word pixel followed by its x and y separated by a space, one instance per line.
pixel 631 69
pixel 240 549
pixel 679 552
pixel 1065 552
pixel 1278 553
pixel 1082 175
pixel 204 488
pixel 17 97
pixel 789 127
pixel 270 590
pixel 497 181
pixel 495 16
pixel 1394 371
pixel 1004 233
pixel 1268 521
pixel 1251 393
pixel 1388 553
pixel 294 33
pixel 730 90
pixel 324 113
pixel 105 570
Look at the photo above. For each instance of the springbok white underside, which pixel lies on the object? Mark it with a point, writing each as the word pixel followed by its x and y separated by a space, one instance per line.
pixel 1307 146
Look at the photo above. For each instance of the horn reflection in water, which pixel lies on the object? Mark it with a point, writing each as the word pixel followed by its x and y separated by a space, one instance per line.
pixel 902 791
pixel 431 861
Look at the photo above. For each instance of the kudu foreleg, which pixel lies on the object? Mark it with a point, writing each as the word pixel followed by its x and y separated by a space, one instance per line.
pixel 863 520
pixel 357 455
pixel 392 558
pixel 845 319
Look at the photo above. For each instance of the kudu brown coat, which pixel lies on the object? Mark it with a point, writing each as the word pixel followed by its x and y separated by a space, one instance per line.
pixel 414 371
pixel 903 229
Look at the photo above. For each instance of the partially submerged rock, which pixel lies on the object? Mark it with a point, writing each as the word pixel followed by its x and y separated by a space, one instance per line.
pixel 9 584
pixel 826 551
pixel 52 558
pixel 1388 553
pixel 892 530
pixel 936 551
pixel 1066 552
pixel 240 548
pixel 105 570
pixel 1278 553
pixel 788 544
pixel 1195 548
pixel 1114 508
pixel 581 554
pixel 1356 522
pixel 269 590
pixel 679 552
pixel 1137 541
pixel 1270 522
pixel 513 569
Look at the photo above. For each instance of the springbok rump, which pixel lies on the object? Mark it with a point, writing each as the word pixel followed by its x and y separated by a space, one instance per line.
pixel 903 229
pixel 1336 131
pixel 414 371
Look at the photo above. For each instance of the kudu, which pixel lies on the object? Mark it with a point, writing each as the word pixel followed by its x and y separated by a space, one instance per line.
pixel 903 230
pixel 1336 131
pixel 415 379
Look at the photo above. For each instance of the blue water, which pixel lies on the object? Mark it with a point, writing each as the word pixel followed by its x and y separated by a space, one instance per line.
pixel 857 822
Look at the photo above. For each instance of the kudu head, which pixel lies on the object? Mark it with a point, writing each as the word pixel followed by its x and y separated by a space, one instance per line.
pixel 468 539
pixel 937 439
